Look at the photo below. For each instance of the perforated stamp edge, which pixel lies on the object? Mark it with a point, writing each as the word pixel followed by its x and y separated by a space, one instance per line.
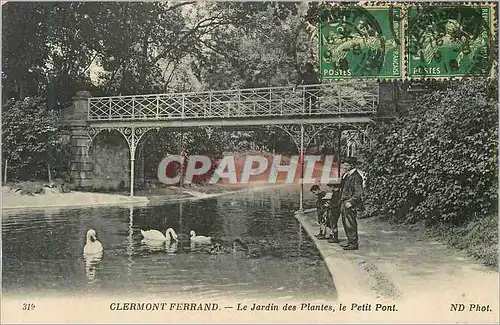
pixel 493 37
pixel 373 4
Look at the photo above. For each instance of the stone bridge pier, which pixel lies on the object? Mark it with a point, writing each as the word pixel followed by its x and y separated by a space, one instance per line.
pixel 74 120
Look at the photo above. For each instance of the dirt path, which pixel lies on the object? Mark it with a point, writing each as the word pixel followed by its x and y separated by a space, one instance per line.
pixel 400 264
pixel 419 264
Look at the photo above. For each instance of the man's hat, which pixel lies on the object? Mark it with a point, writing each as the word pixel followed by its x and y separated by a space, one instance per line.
pixel 315 187
pixel 334 185
pixel 351 160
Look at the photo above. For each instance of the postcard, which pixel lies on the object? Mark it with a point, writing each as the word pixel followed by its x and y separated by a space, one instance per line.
pixel 249 162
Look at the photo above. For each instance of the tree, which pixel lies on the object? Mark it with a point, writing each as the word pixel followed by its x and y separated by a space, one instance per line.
pixel 52 50
pixel 29 138
pixel 260 47
pixel 24 50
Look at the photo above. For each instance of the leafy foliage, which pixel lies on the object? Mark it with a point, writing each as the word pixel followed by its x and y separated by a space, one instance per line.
pixel 24 51
pixel 29 138
pixel 438 163
pixel 54 49
pixel 260 47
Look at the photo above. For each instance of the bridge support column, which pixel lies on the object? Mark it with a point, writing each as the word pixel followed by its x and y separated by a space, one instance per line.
pixel 302 135
pixel 75 120
pixel 133 135
pixel 132 174
pixel 301 204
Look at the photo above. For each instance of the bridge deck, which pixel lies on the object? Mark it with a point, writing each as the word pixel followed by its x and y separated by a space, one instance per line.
pixel 256 105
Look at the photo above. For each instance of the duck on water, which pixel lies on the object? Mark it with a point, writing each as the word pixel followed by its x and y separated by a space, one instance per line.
pixel 200 240
pixel 92 254
pixel 259 249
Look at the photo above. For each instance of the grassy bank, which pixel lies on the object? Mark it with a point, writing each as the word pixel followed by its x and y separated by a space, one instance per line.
pixel 30 188
pixel 51 198
pixel 38 194
pixel 479 238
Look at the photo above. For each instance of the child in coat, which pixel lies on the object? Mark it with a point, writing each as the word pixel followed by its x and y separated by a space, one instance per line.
pixel 321 210
pixel 334 212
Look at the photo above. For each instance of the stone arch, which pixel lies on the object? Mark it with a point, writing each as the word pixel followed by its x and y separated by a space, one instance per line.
pixel 108 153
pixel 132 136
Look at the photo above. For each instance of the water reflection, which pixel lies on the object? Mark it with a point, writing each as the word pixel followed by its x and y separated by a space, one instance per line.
pixel 160 246
pixel 130 241
pixel 299 246
pixel 43 251
pixel 181 224
pixel 171 247
pixel 91 265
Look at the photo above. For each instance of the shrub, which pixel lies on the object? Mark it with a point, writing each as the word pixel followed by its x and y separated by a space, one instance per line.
pixel 439 162
pixel 28 188
pixel 29 138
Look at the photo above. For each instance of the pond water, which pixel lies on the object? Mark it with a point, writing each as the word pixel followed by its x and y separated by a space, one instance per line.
pixel 42 250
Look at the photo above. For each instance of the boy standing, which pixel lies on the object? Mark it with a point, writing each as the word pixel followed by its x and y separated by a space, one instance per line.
pixel 321 210
pixel 334 212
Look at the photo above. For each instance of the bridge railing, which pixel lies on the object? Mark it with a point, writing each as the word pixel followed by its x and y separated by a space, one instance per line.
pixel 322 99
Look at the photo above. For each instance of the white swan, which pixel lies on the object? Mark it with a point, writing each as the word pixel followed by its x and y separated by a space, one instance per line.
pixel 155 235
pixel 200 240
pixel 93 246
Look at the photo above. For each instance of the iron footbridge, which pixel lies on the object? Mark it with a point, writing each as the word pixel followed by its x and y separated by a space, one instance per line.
pixel 301 111
pixel 311 104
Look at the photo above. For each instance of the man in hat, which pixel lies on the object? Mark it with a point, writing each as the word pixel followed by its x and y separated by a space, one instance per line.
pixel 351 197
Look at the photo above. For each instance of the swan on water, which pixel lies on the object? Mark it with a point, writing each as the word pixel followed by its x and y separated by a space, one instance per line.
pixel 155 235
pixel 201 240
pixel 92 246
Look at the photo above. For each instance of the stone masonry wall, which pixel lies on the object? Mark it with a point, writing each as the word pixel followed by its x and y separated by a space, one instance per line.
pixel 111 161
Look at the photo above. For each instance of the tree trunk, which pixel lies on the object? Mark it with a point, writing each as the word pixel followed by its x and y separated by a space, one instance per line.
pixel 49 172
pixel 143 74
pixel 5 172
pixel 22 88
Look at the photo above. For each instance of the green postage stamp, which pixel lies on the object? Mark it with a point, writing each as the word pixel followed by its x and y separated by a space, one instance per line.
pixel 360 41
pixel 449 41
pixel 406 41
